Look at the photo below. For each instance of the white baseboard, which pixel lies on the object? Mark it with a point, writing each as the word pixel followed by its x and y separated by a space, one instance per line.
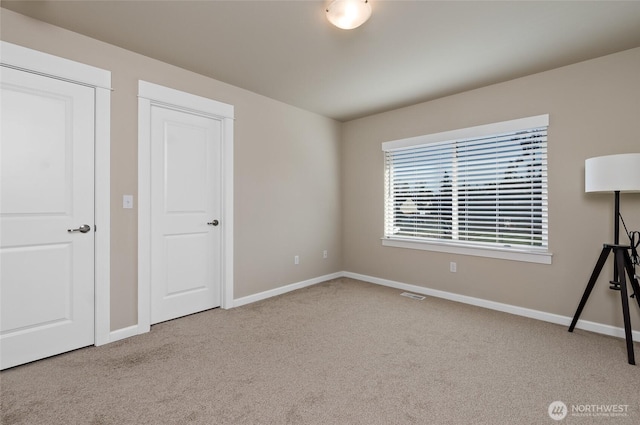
pixel 284 289
pixel 124 333
pixel 492 305
pixel 136 329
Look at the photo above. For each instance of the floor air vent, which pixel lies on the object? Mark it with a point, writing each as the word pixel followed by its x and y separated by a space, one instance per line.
pixel 413 296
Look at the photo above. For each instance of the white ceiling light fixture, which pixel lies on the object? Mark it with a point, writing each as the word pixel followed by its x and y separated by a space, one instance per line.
pixel 348 14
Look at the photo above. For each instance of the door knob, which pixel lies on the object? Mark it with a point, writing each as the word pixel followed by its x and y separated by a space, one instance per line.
pixel 213 223
pixel 82 229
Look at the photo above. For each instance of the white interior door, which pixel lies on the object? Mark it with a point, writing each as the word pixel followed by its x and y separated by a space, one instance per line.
pixel 47 188
pixel 185 213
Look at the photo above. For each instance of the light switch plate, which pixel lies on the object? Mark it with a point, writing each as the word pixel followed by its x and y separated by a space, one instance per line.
pixel 127 201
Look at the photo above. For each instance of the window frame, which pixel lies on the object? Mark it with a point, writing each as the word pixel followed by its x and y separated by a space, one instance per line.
pixel 541 255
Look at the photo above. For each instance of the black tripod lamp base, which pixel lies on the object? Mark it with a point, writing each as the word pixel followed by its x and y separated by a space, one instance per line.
pixel 623 266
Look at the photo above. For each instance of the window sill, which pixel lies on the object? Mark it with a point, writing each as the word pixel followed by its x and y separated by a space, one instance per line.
pixel 541 257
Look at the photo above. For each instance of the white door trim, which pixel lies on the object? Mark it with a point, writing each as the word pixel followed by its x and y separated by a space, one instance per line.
pixel 152 94
pixel 36 62
pixel 53 66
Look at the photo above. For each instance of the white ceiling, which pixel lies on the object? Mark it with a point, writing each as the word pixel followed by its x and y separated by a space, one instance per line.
pixel 408 52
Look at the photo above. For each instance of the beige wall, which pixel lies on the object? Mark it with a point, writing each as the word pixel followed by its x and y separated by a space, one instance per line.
pixel 305 183
pixel 287 170
pixel 594 109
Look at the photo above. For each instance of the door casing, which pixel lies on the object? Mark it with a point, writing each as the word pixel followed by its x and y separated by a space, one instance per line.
pixel 152 94
pixel 33 61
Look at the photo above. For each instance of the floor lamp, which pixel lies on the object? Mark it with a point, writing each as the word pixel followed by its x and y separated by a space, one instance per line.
pixel 614 173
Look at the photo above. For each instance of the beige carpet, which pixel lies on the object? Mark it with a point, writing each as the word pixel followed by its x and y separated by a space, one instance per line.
pixel 342 352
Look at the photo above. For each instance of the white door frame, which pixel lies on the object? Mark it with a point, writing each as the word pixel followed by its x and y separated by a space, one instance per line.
pixel 150 94
pixel 33 61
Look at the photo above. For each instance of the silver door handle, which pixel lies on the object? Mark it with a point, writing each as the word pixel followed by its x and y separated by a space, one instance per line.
pixel 213 223
pixel 82 229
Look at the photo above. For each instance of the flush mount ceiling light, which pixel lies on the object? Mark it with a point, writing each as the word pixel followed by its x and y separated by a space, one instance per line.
pixel 348 14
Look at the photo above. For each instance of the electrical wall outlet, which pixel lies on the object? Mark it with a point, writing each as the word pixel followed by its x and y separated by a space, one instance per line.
pixel 324 254
pixel 296 260
pixel 453 267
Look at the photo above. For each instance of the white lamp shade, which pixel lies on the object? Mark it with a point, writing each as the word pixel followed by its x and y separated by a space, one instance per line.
pixel 612 173
pixel 348 14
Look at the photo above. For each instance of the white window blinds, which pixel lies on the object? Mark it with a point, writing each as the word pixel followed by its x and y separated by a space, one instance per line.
pixel 481 186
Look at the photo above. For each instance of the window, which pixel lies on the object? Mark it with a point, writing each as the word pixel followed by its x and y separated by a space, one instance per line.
pixel 478 191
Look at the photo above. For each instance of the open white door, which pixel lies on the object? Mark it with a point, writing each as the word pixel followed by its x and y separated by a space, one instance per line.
pixel 47 217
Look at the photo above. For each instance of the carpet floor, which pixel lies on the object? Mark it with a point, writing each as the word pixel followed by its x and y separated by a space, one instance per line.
pixel 340 352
